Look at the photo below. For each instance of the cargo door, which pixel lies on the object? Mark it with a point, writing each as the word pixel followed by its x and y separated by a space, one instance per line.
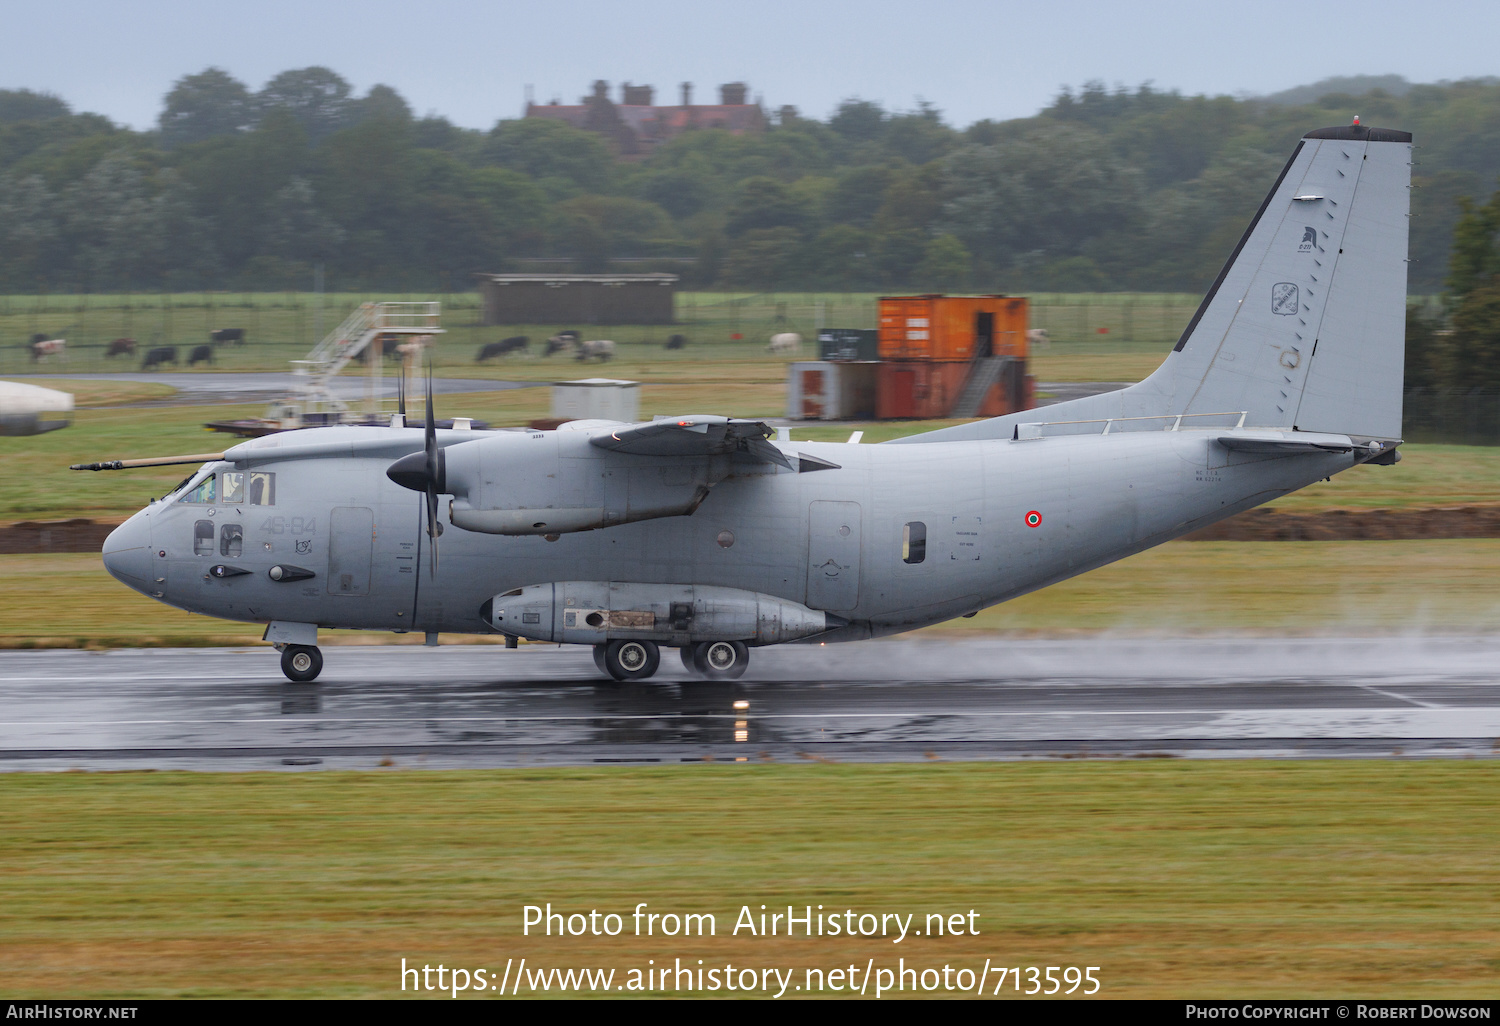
pixel 833 555
pixel 351 540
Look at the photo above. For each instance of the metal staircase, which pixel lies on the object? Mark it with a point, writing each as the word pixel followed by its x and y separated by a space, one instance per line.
pixel 982 378
pixel 368 324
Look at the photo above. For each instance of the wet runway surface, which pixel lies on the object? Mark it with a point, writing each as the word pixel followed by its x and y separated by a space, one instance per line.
pixel 230 709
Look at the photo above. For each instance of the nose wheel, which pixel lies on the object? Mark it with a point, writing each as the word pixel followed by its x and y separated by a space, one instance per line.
pixel 301 663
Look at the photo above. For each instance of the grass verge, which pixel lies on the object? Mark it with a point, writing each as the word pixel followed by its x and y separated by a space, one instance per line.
pixel 1205 879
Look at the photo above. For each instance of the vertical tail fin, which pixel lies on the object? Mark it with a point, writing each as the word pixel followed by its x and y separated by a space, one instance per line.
pixel 1305 326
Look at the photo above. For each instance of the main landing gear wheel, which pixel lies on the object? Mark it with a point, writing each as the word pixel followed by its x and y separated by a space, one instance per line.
pixel 599 658
pixel 631 660
pixel 721 660
pixel 301 663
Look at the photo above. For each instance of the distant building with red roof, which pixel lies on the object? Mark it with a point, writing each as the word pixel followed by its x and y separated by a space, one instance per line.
pixel 635 126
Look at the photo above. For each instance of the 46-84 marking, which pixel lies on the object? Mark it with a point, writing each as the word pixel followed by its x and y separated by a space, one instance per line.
pixel 290 525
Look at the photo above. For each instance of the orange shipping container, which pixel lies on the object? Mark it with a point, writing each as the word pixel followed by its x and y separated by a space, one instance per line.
pixel 934 327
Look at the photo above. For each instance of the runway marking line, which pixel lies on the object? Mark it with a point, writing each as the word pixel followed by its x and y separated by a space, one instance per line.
pixel 1404 698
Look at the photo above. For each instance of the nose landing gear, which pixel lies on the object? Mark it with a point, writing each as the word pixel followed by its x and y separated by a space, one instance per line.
pixel 301 663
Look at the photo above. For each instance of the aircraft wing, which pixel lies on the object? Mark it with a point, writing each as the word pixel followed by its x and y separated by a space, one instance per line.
pixel 701 436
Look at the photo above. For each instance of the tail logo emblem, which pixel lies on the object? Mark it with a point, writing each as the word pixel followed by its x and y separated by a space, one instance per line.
pixel 1309 240
pixel 1284 298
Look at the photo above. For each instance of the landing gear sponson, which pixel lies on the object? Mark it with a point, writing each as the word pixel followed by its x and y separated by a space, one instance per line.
pixel 713 627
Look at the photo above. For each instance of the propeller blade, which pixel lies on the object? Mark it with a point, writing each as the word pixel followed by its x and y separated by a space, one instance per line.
pixel 401 392
pixel 432 531
pixel 433 472
pixel 431 424
pixel 425 472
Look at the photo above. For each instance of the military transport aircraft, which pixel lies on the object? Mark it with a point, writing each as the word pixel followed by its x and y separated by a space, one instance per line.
pixel 709 534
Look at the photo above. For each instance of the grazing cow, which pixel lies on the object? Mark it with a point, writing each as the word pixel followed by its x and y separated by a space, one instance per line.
pixel 506 346
pixel 204 353
pixel 1038 336
pixel 158 356
pixel 224 336
pixel 600 349
pixel 561 341
pixel 41 349
pixel 785 342
pixel 677 342
pixel 121 347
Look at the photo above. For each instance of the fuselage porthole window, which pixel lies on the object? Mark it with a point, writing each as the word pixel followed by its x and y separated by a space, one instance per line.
pixel 203 537
pixel 913 542
pixel 231 540
pixel 205 494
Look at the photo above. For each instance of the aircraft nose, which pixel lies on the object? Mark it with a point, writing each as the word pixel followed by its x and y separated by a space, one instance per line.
pixel 127 553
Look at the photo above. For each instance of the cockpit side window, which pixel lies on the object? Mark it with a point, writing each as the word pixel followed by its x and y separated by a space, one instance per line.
pixel 205 494
pixel 234 486
pixel 262 488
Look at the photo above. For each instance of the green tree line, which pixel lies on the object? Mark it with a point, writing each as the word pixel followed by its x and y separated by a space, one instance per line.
pixel 1458 347
pixel 1104 190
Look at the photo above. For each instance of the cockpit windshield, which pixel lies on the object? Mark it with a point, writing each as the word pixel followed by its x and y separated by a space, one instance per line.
pixel 229 487
pixel 206 492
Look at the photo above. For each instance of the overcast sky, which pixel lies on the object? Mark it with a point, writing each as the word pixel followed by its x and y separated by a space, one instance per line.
pixel 471 60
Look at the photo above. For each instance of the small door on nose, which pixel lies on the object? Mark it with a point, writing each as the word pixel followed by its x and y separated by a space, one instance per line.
pixel 833 555
pixel 351 539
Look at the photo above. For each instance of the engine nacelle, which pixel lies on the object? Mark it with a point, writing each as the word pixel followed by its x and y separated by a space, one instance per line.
pixel 555 482
pixel 591 612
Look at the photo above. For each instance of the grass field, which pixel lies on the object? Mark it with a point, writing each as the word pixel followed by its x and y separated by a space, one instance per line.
pixel 1096 337
pixel 1359 879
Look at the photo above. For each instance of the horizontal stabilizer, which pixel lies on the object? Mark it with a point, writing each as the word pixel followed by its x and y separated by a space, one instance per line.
pixel 1281 446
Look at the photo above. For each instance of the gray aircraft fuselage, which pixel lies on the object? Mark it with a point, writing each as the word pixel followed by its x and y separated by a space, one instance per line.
pixel 832 540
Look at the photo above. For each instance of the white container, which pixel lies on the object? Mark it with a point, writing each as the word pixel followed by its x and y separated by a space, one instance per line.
pixel 812 391
pixel 597 399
